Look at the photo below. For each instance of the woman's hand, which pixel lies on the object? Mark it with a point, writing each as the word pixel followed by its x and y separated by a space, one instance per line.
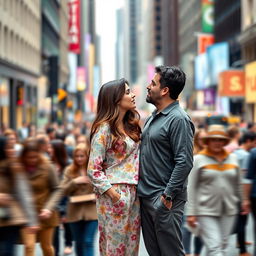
pixel 82 180
pixel 192 220
pixel 45 214
pixel 113 195
pixel 5 199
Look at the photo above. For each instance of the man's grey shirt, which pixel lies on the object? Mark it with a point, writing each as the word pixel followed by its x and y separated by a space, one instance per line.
pixel 166 153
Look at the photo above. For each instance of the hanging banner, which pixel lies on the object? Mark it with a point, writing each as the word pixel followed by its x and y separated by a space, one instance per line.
pixel 74 26
pixel 250 86
pixel 207 16
pixel 232 83
pixel 81 78
pixel 203 41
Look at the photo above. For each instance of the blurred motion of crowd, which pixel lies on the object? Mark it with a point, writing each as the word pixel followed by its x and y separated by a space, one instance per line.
pixel 39 167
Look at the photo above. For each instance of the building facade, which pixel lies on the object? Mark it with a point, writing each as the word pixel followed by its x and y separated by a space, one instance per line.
pixel 20 61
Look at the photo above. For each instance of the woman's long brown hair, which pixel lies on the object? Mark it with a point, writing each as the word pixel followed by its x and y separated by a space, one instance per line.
pixel 110 95
pixel 74 168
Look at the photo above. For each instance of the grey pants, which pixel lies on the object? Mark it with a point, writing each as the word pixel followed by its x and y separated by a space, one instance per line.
pixel 161 227
pixel 215 232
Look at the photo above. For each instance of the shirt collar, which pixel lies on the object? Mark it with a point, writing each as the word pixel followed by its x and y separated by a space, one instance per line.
pixel 166 110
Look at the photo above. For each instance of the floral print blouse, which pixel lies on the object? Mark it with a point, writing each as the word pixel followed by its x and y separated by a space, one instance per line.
pixel 108 165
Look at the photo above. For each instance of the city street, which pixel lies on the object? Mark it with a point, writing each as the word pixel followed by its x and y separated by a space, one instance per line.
pixel 232 251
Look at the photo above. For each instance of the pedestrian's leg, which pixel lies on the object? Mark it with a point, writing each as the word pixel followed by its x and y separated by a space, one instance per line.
pixel 148 225
pixel 8 239
pixel 186 237
pixel 210 233
pixel 29 241
pixel 56 241
pixel 241 232
pixel 226 226
pixel 77 229
pixel 67 235
pixel 253 209
pixel 45 237
pixel 198 244
pixel 90 229
pixel 168 227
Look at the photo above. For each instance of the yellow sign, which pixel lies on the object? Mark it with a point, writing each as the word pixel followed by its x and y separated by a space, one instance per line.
pixel 250 82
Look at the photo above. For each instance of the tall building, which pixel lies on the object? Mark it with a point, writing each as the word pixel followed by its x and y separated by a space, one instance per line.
pixel 20 60
pixel 169 32
pixel 189 25
pixel 248 44
pixel 227 27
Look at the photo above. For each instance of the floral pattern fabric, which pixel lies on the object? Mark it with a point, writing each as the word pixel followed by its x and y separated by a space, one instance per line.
pixel 119 223
pixel 121 162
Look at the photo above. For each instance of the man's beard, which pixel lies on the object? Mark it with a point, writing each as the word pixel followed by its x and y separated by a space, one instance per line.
pixel 149 100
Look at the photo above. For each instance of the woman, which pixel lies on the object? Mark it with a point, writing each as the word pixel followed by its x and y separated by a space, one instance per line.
pixel 186 234
pixel 214 192
pixel 59 158
pixel 46 194
pixel 113 168
pixel 16 206
pixel 81 210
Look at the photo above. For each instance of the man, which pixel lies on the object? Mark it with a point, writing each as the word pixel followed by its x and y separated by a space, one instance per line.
pixel 166 159
pixel 248 141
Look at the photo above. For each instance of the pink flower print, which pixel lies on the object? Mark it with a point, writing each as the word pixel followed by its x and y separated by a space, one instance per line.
pixel 121 249
pixel 136 177
pixel 97 174
pixel 133 237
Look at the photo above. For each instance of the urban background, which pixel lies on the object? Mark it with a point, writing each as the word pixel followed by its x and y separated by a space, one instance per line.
pixel 51 59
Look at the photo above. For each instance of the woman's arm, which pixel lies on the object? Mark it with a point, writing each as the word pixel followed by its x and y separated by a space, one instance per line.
pixel 99 145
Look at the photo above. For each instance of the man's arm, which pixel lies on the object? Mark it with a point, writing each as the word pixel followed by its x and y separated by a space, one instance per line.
pixel 181 141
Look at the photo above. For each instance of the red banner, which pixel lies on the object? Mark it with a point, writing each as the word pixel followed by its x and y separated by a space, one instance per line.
pixel 232 83
pixel 74 26
pixel 203 42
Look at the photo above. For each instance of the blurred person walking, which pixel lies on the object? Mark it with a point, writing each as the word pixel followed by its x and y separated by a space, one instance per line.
pixel 186 233
pixel 234 134
pixel 13 141
pixel 250 190
pixel 60 161
pixel 113 168
pixel 248 141
pixel 166 158
pixel 81 209
pixel 214 191
pixel 16 205
pixel 46 194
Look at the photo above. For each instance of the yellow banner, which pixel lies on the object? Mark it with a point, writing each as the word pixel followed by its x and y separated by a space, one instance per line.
pixel 250 82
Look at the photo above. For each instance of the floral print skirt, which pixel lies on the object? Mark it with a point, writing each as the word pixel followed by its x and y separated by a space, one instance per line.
pixel 119 223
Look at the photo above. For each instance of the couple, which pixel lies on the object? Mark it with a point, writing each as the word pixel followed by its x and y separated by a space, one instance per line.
pixel 141 179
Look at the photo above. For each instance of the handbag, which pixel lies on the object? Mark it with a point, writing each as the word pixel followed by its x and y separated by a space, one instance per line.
pixel 82 198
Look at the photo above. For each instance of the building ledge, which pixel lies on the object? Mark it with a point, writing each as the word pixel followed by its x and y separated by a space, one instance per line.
pixel 248 35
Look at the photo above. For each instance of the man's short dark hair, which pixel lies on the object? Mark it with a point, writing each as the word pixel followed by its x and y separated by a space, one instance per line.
pixel 250 125
pixel 173 78
pixel 251 136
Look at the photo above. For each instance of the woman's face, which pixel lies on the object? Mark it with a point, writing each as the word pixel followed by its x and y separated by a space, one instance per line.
pixel 128 100
pixel 50 150
pixel 80 158
pixel 31 158
pixel 9 149
pixel 216 145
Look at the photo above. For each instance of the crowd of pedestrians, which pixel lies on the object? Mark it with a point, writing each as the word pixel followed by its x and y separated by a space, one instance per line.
pixel 168 178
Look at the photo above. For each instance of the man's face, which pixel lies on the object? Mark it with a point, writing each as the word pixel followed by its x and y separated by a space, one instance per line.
pixel 154 91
